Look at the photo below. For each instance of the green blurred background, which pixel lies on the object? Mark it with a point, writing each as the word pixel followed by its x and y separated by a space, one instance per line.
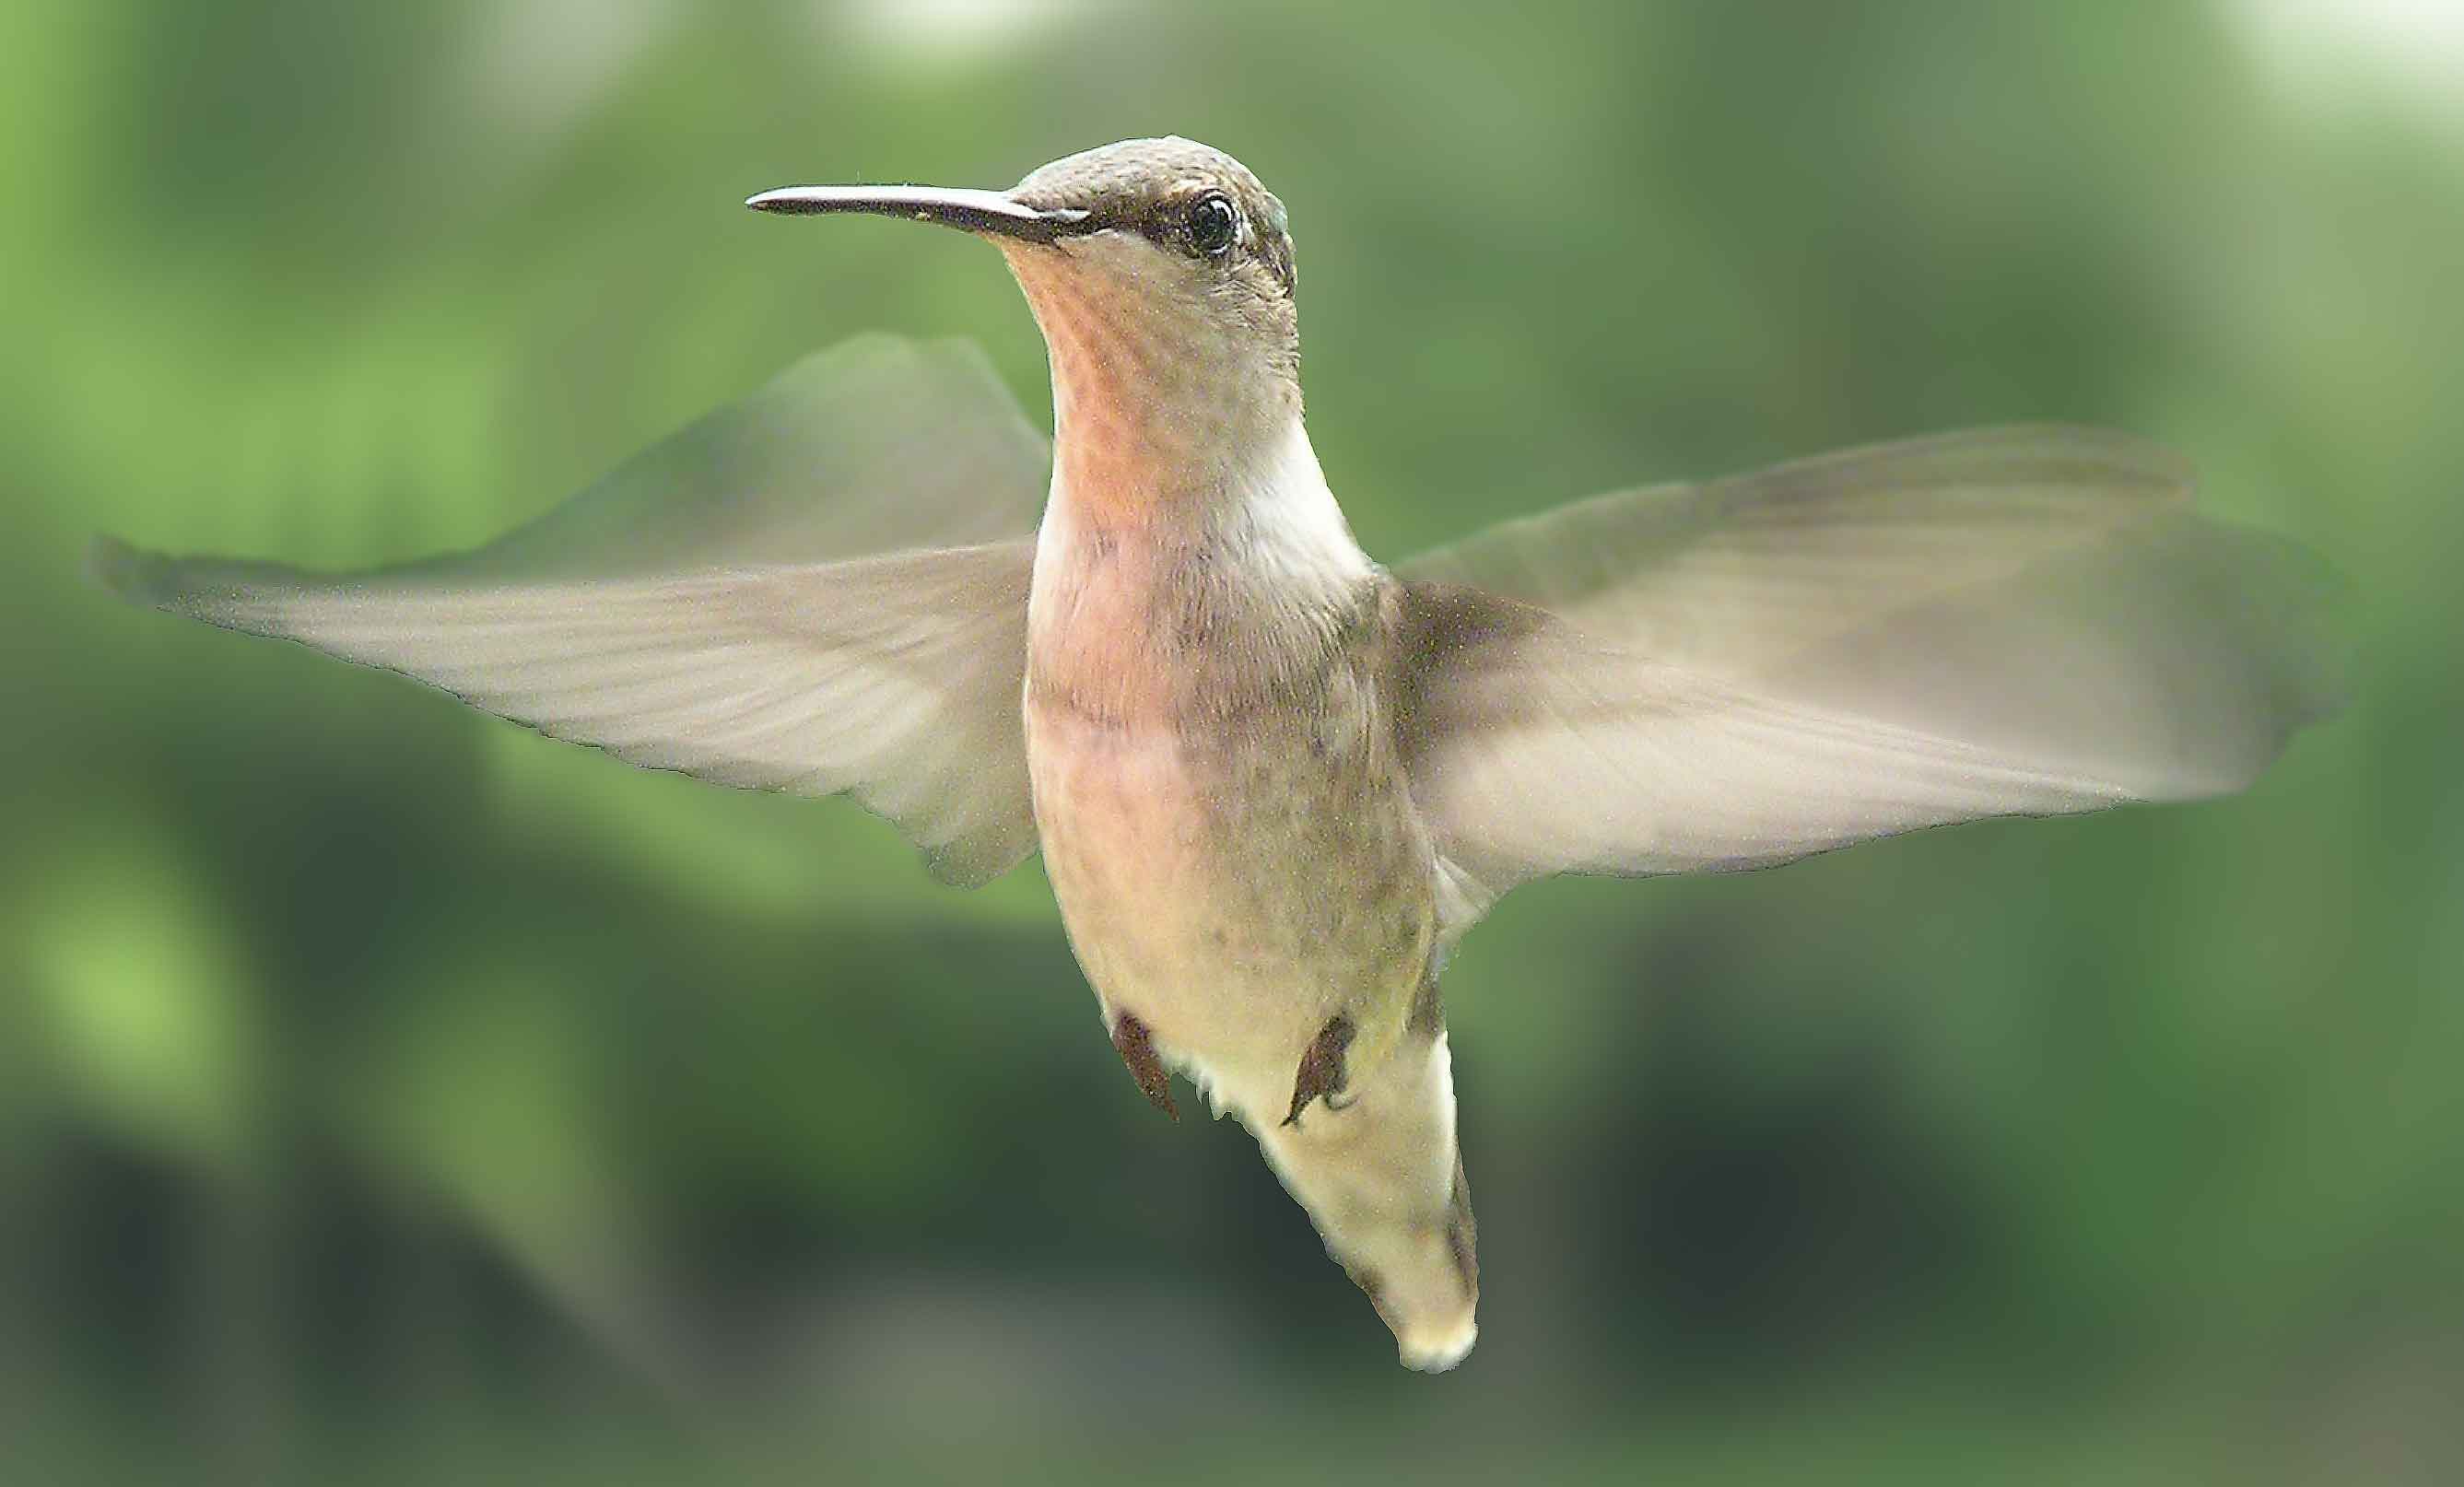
pixel 387 1093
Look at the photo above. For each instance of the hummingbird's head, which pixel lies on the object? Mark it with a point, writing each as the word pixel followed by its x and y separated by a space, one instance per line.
pixel 1160 271
pixel 1167 230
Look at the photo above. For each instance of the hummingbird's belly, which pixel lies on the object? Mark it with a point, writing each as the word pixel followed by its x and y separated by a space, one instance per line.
pixel 1236 889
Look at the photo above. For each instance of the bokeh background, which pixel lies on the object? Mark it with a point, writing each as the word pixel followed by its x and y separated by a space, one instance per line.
pixel 388 1094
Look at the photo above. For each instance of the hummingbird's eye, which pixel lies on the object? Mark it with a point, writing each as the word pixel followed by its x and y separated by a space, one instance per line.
pixel 1214 222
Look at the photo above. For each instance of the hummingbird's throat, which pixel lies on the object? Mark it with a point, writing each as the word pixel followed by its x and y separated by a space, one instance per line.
pixel 1158 405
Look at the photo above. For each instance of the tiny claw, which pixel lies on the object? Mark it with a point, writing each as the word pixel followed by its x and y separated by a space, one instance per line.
pixel 1135 1045
pixel 1321 1072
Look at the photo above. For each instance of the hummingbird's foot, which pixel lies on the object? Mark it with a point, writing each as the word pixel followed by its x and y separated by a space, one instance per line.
pixel 1137 1048
pixel 1321 1072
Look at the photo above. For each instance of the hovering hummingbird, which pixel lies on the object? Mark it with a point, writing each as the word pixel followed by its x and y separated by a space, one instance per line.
pixel 1275 783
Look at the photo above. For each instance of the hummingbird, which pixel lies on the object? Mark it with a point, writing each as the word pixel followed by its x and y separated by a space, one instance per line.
pixel 1274 782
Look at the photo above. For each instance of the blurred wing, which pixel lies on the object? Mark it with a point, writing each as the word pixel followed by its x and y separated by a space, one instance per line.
pixel 877 444
pixel 2020 621
pixel 821 589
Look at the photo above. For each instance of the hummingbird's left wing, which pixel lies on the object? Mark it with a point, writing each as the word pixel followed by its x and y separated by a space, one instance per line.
pixel 821 589
pixel 1706 677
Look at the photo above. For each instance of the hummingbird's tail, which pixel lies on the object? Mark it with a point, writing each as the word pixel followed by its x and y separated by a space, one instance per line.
pixel 1383 1180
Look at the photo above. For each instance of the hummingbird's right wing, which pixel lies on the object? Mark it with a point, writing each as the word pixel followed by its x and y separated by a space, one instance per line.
pixel 1706 677
pixel 820 589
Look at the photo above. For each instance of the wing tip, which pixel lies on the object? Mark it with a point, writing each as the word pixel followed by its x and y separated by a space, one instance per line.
pixel 134 574
pixel 221 591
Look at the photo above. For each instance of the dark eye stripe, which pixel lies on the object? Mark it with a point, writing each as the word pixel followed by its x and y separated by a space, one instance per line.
pixel 1166 223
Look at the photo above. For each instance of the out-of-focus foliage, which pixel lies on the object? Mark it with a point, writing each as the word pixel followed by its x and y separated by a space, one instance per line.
pixel 389 1095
